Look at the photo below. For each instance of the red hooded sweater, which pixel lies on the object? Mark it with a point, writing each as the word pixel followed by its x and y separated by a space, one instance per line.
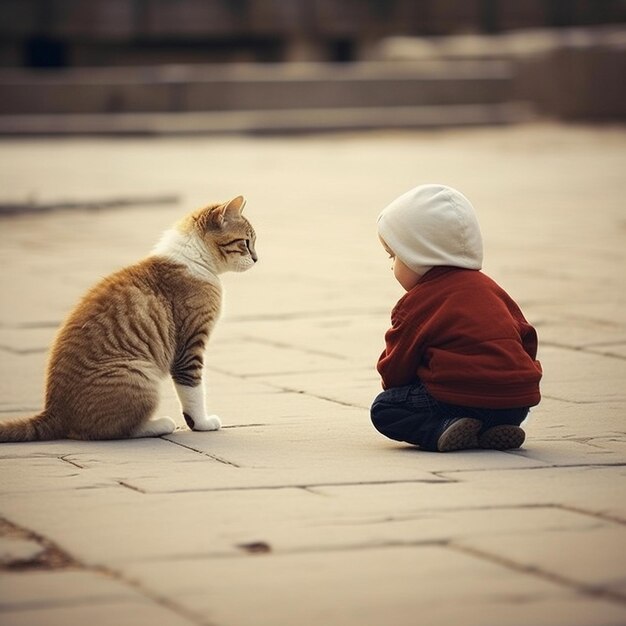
pixel 464 337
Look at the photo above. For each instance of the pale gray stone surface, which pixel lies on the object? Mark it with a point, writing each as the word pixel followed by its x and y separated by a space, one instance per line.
pixel 140 613
pixel 375 586
pixel 39 590
pixel 14 550
pixel 298 511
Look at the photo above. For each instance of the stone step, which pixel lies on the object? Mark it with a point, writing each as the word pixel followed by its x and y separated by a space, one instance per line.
pixel 265 121
pixel 254 87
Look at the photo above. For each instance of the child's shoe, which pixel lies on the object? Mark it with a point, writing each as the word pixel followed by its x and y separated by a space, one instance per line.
pixel 459 433
pixel 503 437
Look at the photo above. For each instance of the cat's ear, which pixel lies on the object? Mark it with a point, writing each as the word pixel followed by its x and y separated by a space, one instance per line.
pixel 235 206
pixel 229 210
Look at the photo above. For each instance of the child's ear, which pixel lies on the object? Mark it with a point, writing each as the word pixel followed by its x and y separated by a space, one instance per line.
pixel 228 210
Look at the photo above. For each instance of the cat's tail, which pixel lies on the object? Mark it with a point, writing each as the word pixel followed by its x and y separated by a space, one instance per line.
pixel 40 427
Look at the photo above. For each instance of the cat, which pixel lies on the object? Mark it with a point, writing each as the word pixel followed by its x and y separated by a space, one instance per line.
pixel 137 326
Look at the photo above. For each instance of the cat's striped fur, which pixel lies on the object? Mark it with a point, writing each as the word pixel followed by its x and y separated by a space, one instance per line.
pixel 136 326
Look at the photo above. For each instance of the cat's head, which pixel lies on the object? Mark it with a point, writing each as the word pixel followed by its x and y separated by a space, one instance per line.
pixel 227 235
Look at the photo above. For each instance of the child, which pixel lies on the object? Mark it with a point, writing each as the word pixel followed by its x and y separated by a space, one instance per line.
pixel 459 368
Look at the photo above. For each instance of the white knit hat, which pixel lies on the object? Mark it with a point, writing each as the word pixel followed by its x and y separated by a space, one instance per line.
pixel 432 225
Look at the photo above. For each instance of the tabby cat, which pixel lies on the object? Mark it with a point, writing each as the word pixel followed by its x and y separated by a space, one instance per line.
pixel 135 327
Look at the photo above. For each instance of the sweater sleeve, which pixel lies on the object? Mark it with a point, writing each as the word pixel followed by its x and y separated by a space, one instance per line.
pixel 529 339
pixel 403 352
pixel 527 333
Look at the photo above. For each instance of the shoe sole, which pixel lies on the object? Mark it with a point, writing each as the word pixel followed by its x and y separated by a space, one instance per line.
pixel 504 437
pixel 462 435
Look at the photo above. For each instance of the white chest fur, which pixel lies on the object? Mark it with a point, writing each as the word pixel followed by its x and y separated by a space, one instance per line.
pixel 187 249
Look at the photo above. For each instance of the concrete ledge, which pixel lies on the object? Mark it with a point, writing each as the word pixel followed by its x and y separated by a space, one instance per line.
pixel 253 87
pixel 260 122
pixel 573 74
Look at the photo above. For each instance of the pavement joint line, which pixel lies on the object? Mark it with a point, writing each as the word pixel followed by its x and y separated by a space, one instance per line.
pixel 34 455
pixel 313 492
pixel 157 598
pixel 55 558
pixel 601 344
pixel 228 426
pixel 589 441
pixel 321 549
pixel 10 209
pixel 511 507
pixel 588 590
pixel 611 436
pixel 74 463
pixel 202 452
pixel 287 346
pixel 491 508
pixel 593 321
pixel 611 355
pixel 123 483
pixel 22 351
pixel 586 441
pixel 306 315
pixel 43 605
pixel 584 349
pixel 31 325
pixel 310 487
pixel 314 395
pixel 317 549
pixel 575 402
pixel 283 388
pixel 261 375
pixel 52 558
pixel 597 515
pixel 529 469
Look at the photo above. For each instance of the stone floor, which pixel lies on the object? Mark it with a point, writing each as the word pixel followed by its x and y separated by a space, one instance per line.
pixel 298 512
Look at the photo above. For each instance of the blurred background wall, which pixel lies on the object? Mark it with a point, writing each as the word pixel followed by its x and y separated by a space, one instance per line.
pixel 565 57
pixel 60 33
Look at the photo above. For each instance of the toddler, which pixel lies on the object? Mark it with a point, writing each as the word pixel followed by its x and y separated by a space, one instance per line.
pixel 459 368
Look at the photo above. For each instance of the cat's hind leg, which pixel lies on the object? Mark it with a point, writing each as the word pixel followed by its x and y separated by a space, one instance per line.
pixel 155 427
pixel 118 405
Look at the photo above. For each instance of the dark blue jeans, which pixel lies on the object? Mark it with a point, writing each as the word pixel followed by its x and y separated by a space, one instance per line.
pixel 411 414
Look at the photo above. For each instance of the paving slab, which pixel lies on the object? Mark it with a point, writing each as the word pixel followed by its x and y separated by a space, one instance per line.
pixel 109 611
pixel 366 587
pixel 119 525
pixel 27 397
pixel 115 525
pixel 582 377
pixel 563 420
pixel 38 590
pixel 80 455
pixel 593 557
pixel 15 551
pixel 602 493
pixel 41 475
pixel 568 452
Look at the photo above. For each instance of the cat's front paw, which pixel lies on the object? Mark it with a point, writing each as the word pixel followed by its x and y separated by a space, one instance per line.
pixel 208 422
